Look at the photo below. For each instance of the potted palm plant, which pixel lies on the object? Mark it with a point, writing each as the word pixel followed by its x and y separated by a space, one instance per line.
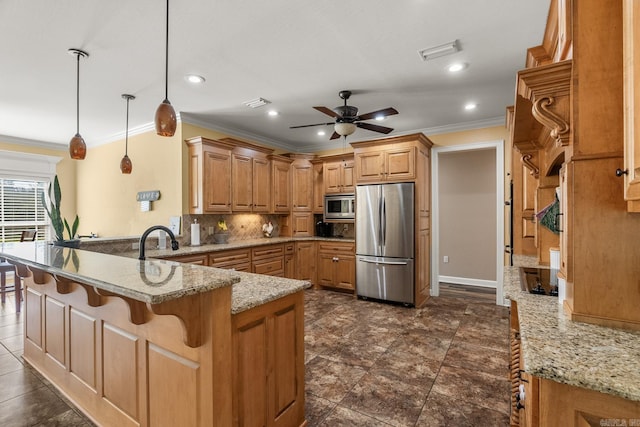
pixel 58 223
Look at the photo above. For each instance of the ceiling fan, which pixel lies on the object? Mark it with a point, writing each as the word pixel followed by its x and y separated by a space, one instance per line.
pixel 347 118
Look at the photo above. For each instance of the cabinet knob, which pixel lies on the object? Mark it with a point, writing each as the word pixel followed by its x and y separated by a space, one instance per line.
pixel 620 172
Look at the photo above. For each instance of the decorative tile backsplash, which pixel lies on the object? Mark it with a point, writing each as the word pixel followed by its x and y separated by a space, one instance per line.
pixel 239 226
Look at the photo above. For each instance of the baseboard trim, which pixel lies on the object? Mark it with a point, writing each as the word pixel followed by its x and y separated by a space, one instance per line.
pixel 466 281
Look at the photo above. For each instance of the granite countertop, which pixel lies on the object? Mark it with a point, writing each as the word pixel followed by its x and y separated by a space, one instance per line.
pixel 151 281
pixel 556 348
pixel 238 244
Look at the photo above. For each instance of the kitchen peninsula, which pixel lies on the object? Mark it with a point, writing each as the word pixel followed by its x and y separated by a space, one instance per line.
pixel 158 342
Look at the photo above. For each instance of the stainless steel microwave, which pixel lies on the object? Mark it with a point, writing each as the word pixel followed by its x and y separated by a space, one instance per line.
pixel 340 208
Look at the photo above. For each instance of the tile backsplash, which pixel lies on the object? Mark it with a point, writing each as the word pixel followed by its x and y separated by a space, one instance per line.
pixel 240 226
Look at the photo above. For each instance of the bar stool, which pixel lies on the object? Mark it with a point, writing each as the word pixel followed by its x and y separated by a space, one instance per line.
pixel 6 267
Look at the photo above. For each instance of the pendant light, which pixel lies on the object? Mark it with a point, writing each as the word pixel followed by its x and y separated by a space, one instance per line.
pixel 77 147
pixel 165 114
pixel 125 163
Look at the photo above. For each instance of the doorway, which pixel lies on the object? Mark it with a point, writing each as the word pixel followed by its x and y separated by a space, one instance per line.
pixel 467 245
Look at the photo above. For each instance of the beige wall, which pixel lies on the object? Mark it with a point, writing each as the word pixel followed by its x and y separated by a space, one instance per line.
pixel 66 171
pixel 107 198
pixel 467 212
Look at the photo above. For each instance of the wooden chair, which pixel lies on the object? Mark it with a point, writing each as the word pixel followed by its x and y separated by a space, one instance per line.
pixel 7 267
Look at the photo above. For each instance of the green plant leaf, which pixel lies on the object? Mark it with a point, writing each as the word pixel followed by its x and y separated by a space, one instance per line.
pixel 74 228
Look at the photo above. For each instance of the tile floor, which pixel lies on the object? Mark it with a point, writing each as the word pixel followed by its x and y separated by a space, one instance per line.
pixel 367 364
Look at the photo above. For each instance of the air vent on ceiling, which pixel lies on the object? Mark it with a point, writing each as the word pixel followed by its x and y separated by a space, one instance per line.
pixel 255 103
pixel 438 51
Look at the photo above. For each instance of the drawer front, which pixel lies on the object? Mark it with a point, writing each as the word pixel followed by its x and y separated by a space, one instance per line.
pixel 274 267
pixel 226 258
pixel 333 247
pixel 270 251
pixel 288 248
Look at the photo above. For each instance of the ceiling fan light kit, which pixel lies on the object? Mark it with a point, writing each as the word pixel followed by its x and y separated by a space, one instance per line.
pixel 430 53
pixel 77 146
pixel 165 119
pixel 347 118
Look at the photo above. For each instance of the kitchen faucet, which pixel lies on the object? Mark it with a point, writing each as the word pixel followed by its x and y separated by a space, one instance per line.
pixel 143 238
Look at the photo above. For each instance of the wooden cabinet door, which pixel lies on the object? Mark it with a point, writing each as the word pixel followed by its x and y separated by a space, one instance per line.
pixel 631 62
pixel 369 166
pixel 302 186
pixel 261 197
pixel 215 180
pixel 347 177
pixel 305 262
pixel 345 271
pixel 318 187
pixel 242 182
pixel 281 186
pixel 302 223
pixel 326 269
pixel 400 164
pixel 332 178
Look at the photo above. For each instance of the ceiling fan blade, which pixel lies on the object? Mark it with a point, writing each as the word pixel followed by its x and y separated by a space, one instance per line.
pixel 375 128
pixel 384 113
pixel 328 112
pixel 306 126
pixel 335 135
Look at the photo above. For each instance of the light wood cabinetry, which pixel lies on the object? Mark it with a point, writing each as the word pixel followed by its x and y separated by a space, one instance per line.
pixel 236 259
pixel 389 161
pixel 280 184
pixel 268 343
pixel 302 224
pixel 336 265
pixel 572 142
pixel 403 159
pixel 318 186
pixel 289 260
pixel 268 260
pixel 306 261
pixel 198 259
pixel 209 176
pixel 250 180
pixel 302 183
pixel 338 174
pixel 631 75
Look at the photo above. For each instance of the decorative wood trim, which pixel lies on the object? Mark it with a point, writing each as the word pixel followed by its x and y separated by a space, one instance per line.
pixel 189 310
pixel 559 127
pixel 526 161
pixel 137 309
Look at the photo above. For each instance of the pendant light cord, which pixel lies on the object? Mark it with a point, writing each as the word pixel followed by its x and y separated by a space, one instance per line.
pixel 166 56
pixel 78 94
pixel 126 135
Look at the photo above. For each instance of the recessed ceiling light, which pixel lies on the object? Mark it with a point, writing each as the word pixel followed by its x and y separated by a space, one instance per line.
pixel 321 133
pixel 273 113
pixel 194 78
pixel 470 106
pixel 455 67
pixel 380 118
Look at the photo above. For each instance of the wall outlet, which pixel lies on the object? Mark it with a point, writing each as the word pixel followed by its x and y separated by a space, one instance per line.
pixel 211 229
pixel 445 259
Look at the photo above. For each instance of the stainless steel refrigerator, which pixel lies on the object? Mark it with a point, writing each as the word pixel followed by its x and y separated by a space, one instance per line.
pixel 385 242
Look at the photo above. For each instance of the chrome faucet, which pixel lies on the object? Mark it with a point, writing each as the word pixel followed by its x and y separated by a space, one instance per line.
pixel 143 238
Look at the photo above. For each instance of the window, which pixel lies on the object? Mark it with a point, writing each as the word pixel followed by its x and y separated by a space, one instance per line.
pixel 21 209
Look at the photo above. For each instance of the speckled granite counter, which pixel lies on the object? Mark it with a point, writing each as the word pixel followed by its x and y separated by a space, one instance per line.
pixel 554 347
pixel 151 281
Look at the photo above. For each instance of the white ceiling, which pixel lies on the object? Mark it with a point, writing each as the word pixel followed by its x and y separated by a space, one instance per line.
pixel 296 54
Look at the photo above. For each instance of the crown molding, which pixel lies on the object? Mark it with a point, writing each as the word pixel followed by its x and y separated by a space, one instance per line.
pixel 33 143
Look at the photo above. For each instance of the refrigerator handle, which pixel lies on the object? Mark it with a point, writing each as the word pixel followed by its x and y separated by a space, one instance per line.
pixel 383 221
pixel 369 261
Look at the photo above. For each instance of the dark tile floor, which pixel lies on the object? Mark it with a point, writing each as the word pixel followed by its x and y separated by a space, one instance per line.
pixel 367 364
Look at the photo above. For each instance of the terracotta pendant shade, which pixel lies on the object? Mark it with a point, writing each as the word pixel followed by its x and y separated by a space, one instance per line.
pixel 125 164
pixel 77 147
pixel 166 121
